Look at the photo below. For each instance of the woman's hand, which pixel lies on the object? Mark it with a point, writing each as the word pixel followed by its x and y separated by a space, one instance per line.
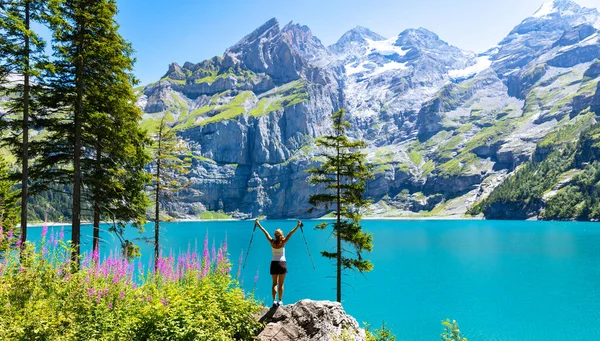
pixel 300 223
pixel 256 222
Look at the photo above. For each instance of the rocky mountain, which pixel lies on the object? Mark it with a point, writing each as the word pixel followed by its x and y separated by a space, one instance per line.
pixel 444 126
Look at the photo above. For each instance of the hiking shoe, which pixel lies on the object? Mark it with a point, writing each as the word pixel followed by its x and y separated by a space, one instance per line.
pixel 280 303
pixel 275 303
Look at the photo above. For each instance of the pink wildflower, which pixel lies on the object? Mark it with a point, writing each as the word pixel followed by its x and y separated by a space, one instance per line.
pixel 213 253
pixel 44 230
pixel 205 257
pixel 240 263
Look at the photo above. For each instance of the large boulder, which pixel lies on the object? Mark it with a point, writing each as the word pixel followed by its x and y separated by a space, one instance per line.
pixel 309 320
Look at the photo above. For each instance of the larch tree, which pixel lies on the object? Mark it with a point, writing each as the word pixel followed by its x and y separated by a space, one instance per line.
pixel 169 166
pixel 343 176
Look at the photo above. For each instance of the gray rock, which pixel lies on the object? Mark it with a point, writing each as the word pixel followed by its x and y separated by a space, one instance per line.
pixel 309 320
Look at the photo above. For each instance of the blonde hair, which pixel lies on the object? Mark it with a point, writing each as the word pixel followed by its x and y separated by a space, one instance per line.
pixel 278 236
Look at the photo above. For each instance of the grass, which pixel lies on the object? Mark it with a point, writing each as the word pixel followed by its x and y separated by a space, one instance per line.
pixel 230 110
pixel 383 156
pixel 457 165
pixel 212 215
pixel 415 157
pixel 567 132
pixel 279 98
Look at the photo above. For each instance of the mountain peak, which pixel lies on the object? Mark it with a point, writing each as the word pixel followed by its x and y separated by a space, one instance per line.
pixel 562 7
pixel 419 37
pixel 269 28
pixel 359 34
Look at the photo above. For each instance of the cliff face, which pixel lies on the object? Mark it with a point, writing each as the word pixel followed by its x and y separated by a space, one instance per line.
pixel 444 126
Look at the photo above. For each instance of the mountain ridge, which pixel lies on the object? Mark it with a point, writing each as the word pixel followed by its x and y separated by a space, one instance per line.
pixel 444 126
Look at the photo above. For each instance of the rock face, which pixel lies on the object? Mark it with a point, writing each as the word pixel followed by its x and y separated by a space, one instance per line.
pixel 440 122
pixel 309 320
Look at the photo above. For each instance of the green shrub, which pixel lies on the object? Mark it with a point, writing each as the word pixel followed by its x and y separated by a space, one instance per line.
pixel 193 298
pixel 381 334
pixel 451 331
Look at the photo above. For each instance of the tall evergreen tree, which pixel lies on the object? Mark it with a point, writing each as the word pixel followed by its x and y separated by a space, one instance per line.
pixel 169 168
pixel 92 65
pixel 343 175
pixel 22 60
pixel 116 177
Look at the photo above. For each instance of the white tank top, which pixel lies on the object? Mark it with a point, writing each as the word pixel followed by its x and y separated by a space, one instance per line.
pixel 278 254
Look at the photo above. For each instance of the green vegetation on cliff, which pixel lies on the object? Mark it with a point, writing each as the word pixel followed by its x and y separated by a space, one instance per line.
pixel 565 185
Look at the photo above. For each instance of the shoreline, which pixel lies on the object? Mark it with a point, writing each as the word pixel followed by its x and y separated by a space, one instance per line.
pixel 53 224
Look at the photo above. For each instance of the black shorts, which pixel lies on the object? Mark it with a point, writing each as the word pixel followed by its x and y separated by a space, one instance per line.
pixel 278 267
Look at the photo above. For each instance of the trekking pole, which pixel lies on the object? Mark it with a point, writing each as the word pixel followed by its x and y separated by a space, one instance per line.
pixel 247 252
pixel 307 249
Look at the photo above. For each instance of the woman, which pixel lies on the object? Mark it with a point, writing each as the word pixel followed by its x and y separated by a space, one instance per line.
pixel 278 264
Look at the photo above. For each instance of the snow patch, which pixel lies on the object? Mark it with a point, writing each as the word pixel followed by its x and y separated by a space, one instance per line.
pixel 350 69
pixel 481 63
pixel 544 10
pixel 372 69
pixel 385 47
pixel 390 66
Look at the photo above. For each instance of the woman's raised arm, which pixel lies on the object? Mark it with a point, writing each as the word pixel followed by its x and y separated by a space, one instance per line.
pixel 264 231
pixel 292 231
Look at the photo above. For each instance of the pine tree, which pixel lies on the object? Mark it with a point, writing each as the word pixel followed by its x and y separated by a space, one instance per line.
pixel 343 175
pixel 92 105
pixel 22 61
pixel 170 168
pixel 116 177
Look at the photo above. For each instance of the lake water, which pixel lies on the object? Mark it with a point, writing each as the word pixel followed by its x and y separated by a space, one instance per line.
pixel 501 280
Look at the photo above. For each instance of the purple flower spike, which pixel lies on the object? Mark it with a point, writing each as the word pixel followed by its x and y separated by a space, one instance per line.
pixel 213 252
pixel 44 230
pixel 240 263
pixel 9 234
pixel 61 236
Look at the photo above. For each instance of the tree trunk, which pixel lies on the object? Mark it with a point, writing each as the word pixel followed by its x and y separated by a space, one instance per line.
pixel 339 237
pixel 96 244
pixel 157 195
pixel 25 155
pixel 76 209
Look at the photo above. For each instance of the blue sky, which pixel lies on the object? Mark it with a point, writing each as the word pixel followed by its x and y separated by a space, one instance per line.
pixel 193 30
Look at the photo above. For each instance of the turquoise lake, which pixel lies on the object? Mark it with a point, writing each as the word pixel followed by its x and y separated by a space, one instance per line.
pixel 501 280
